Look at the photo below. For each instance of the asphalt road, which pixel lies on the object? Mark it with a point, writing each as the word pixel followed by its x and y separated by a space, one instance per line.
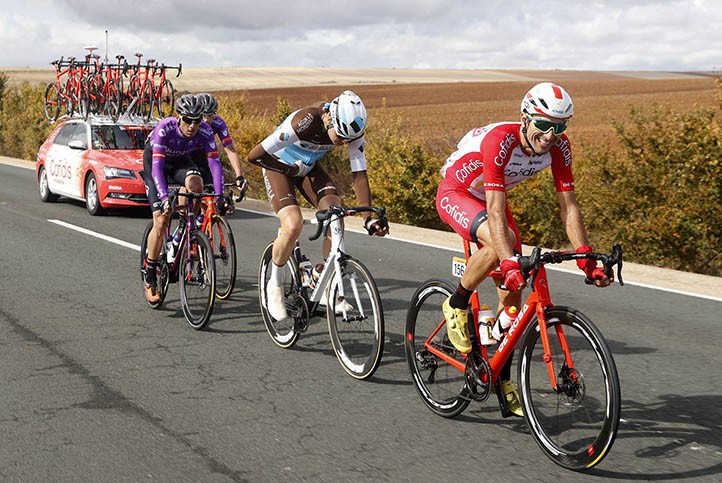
pixel 95 386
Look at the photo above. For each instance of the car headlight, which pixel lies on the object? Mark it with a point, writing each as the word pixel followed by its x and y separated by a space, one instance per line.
pixel 112 172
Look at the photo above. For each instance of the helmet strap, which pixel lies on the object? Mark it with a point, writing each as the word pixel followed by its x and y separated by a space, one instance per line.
pixel 528 146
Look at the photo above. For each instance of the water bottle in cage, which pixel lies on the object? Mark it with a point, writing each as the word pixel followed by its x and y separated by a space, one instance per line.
pixel 174 243
pixel 486 320
pixel 306 271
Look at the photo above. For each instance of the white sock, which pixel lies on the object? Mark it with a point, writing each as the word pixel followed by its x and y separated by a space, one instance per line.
pixel 277 273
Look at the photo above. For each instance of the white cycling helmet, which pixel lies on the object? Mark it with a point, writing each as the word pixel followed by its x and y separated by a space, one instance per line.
pixel 548 100
pixel 348 115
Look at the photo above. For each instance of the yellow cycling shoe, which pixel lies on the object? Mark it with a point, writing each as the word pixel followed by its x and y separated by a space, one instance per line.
pixel 457 327
pixel 512 398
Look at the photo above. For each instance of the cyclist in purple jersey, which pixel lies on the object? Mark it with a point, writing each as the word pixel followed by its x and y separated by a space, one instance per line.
pixel 220 129
pixel 167 155
pixel 289 157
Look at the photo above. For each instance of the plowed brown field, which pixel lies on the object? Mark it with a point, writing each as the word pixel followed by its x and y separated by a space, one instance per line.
pixel 442 112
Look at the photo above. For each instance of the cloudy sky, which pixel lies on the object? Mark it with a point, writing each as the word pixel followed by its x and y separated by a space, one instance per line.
pixel 677 35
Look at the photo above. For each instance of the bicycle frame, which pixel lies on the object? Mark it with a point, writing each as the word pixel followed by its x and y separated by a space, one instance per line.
pixel 536 303
pixel 338 248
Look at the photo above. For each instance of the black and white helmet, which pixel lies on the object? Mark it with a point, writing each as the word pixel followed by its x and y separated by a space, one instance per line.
pixel 210 104
pixel 348 115
pixel 189 105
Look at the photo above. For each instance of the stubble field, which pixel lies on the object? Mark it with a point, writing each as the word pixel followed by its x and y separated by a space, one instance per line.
pixel 440 113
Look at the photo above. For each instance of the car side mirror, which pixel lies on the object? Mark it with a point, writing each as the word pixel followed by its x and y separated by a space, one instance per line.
pixel 77 144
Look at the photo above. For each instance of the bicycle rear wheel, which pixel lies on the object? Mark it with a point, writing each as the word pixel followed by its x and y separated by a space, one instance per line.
pixel 576 425
pixel 224 252
pixel 355 319
pixel 197 280
pixel 441 386
pixel 165 99
pixel 163 276
pixel 113 103
pixel 52 102
pixel 283 332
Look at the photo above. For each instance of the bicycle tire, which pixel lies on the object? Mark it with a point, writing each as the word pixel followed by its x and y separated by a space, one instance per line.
pixel 224 252
pixel 577 425
pixel 96 99
pixel 163 277
pixel 197 277
pixel 441 386
pixel 52 102
pixel 114 100
pixel 83 100
pixel 146 101
pixel 356 320
pixel 283 332
pixel 166 99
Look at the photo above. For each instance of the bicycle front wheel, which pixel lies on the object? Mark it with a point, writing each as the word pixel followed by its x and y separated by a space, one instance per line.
pixel 163 277
pixel 197 280
pixel 576 424
pixel 283 332
pixel 224 252
pixel 355 319
pixel 441 386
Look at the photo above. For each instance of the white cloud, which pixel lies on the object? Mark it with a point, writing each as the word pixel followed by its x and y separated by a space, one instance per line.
pixel 468 34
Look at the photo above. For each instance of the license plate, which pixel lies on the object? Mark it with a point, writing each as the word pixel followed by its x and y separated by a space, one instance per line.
pixel 458 265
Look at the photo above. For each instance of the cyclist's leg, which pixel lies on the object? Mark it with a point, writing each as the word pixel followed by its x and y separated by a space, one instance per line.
pixel 281 193
pixel 155 237
pixel 507 298
pixel 320 190
pixel 466 214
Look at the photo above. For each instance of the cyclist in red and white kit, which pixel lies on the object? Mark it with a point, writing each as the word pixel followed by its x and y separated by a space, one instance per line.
pixel 289 157
pixel 471 198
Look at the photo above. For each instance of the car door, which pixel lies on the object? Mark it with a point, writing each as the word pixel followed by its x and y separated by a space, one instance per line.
pixel 65 159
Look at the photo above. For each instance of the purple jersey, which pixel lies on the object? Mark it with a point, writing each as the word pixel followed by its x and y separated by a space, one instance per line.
pixel 220 129
pixel 168 143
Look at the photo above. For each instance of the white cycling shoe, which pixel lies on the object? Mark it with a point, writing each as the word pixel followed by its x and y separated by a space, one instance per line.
pixel 340 306
pixel 275 301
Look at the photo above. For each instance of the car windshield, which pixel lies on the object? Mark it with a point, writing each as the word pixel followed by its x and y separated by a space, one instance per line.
pixel 120 137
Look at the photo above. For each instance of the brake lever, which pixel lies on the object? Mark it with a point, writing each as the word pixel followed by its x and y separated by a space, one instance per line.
pixel 321 217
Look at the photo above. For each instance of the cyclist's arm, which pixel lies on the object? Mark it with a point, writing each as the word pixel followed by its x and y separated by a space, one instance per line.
pixel 158 173
pixel 572 219
pixel 235 159
pixel 220 128
pixel 263 159
pixel 498 226
pixel 362 189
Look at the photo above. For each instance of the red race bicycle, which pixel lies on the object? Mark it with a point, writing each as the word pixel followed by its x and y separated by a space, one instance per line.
pixel 567 377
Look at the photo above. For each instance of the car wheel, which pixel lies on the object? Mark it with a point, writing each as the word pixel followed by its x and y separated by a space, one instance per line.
pixel 92 198
pixel 45 194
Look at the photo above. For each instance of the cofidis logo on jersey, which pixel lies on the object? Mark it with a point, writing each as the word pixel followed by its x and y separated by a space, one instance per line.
pixel 504 148
pixel 453 211
pixel 467 168
pixel 566 149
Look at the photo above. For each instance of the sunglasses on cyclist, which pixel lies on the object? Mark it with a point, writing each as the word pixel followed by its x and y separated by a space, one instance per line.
pixel 191 120
pixel 544 125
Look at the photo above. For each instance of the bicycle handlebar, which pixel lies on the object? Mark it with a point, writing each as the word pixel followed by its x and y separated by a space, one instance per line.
pixel 323 217
pixel 609 260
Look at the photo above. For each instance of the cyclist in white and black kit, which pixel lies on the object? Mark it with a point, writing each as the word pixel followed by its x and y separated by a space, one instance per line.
pixel 290 159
